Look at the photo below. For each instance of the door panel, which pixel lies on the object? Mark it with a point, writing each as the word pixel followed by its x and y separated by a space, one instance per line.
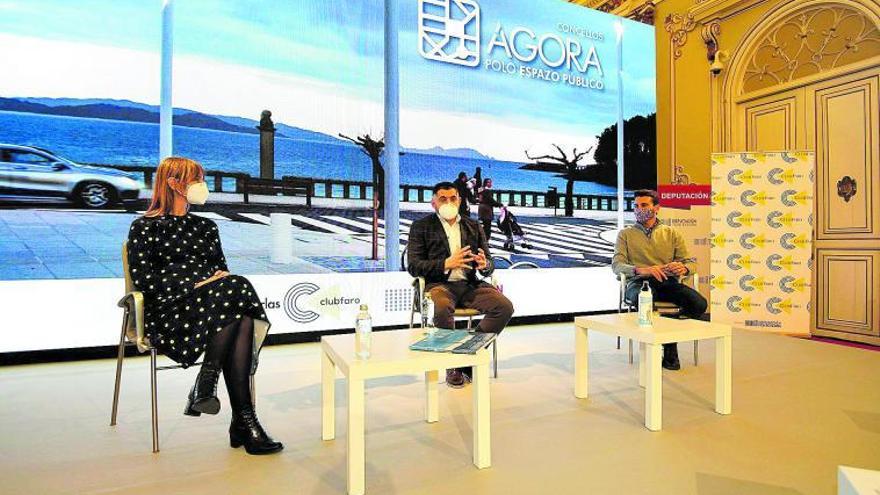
pixel 846 151
pixel 772 123
pixel 847 298
pixel 847 220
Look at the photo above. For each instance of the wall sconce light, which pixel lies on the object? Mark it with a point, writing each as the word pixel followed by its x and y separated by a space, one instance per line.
pixel 718 66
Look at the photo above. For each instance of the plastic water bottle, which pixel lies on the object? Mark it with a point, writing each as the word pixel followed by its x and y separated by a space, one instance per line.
pixel 363 329
pixel 428 314
pixel 646 305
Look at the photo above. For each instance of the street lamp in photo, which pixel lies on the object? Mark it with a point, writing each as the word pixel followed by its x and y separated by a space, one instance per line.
pixel 165 106
pixel 618 27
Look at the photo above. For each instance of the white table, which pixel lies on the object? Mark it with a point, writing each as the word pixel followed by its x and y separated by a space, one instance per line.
pixel 651 340
pixel 855 481
pixel 391 356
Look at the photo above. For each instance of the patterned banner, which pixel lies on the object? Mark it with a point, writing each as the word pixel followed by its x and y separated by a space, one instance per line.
pixel 761 240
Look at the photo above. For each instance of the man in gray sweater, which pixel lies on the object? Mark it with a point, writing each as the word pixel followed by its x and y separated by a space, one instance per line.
pixel 649 250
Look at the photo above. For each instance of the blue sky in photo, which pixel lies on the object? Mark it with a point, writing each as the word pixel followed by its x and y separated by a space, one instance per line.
pixel 340 42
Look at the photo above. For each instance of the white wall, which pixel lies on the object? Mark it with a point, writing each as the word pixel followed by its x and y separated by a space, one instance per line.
pixel 60 314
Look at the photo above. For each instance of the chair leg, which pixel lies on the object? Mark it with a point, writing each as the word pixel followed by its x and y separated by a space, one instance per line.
pixel 631 351
pixel 412 314
pixel 253 392
pixel 618 342
pixel 470 323
pixel 153 398
pixel 696 353
pixel 495 357
pixel 119 357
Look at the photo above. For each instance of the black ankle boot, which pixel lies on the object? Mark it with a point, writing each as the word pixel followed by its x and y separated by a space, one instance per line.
pixel 203 396
pixel 246 430
pixel 670 357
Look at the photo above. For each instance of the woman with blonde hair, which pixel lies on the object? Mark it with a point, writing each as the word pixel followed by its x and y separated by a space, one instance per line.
pixel 193 304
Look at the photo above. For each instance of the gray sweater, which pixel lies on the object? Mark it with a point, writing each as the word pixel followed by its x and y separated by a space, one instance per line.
pixel 638 246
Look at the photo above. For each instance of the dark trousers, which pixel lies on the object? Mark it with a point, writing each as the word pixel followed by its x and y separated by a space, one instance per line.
pixel 692 304
pixel 483 297
pixel 487 228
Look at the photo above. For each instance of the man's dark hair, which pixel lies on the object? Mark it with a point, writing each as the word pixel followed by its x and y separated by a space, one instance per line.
pixel 443 185
pixel 655 198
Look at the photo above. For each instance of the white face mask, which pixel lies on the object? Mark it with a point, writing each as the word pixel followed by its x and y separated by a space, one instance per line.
pixel 448 211
pixel 197 193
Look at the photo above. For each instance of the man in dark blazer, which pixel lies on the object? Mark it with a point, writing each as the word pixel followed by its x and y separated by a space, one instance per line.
pixel 448 249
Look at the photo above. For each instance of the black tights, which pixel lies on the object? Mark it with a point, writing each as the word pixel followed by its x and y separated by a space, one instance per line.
pixel 232 350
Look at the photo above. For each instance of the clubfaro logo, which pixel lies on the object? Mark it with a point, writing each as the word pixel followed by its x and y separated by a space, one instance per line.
pixel 718 282
pixel 746 158
pixel 738 177
pixel 291 303
pixel 790 197
pixel 777 219
pixel 751 241
pixel 306 302
pixel 777 176
pixel 719 240
pixel 749 283
pixel 721 159
pixel 791 241
pixel 449 32
pixel 738 304
pixel 792 157
pixel 738 261
pixel 777 262
pixel 754 198
pixel 777 305
pixel 737 219
pixel 789 284
pixel 720 198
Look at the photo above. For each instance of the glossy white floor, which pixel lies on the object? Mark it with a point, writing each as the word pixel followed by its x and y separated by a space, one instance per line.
pixel 800 409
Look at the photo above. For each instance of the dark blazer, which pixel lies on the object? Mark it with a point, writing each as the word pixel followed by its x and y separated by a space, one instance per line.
pixel 428 248
pixel 467 197
pixel 487 203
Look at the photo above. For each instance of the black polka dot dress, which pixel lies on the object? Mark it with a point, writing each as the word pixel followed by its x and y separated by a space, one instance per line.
pixel 167 256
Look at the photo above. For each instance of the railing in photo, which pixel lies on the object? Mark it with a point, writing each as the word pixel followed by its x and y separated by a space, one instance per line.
pixel 311 187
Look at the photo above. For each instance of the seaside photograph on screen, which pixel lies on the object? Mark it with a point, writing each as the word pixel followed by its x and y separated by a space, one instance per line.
pixel 283 104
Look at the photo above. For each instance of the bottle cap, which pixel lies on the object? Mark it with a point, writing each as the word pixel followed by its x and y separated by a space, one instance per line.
pixel 363 307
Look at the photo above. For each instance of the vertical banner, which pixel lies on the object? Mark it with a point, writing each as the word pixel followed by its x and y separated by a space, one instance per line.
pixel 761 240
pixel 687 208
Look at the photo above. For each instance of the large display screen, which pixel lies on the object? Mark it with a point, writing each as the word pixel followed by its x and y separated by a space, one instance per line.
pixel 282 103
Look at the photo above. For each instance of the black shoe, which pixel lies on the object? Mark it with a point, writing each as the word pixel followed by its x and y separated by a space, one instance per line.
pixel 246 430
pixel 670 357
pixel 203 396
pixel 456 378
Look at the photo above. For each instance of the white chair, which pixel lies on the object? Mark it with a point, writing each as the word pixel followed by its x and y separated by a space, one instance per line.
pixel 661 307
pixel 133 334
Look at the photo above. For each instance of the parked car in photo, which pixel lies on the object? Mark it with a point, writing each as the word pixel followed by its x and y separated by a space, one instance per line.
pixel 35 172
